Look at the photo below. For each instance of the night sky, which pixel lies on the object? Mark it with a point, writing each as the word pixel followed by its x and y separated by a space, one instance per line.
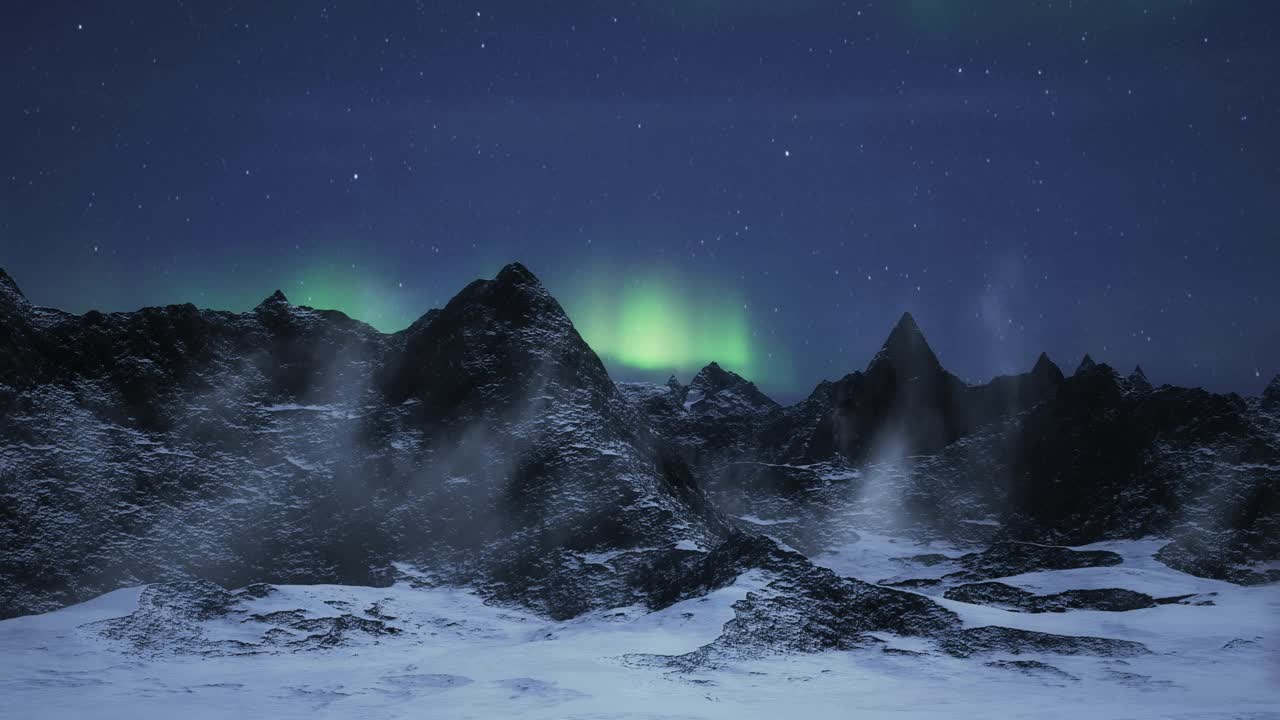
pixel 766 184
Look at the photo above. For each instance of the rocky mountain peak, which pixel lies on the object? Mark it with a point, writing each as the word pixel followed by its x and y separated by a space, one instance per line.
pixel 276 299
pixel 1138 379
pixel 906 350
pixel 514 295
pixel 499 339
pixel 1086 365
pixel 713 376
pixel 715 386
pixel 10 294
pixel 516 274
pixel 1046 369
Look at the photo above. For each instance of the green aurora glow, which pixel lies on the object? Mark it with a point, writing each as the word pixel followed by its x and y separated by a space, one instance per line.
pixel 658 323
pixel 364 292
pixel 369 299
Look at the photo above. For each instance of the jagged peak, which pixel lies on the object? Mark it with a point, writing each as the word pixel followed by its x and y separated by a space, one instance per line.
pixel 674 384
pixel 514 291
pixel 712 370
pixel 713 379
pixel 9 289
pixel 275 299
pixel 716 377
pixel 907 324
pixel 906 345
pixel 1086 364
pixel 1138 379
pixel 1046 366
pixel 517 274
pixel 511 316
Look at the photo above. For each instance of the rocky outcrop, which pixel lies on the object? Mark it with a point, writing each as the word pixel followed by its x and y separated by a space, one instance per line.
pixel 1012 598
pixel 991 639
pixel 1015 558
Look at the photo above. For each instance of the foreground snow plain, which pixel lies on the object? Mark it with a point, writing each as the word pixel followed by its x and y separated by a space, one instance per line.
pixel 457 657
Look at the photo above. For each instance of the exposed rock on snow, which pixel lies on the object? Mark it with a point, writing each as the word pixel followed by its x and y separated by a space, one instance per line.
pixel 1006 596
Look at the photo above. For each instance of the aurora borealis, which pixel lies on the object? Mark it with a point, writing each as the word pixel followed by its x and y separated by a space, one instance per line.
pixel 768 185
pixel 658 322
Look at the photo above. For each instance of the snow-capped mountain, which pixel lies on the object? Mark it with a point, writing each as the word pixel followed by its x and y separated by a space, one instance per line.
pixel 289 481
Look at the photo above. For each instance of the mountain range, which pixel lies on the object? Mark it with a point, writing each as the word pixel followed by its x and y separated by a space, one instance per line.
pixel 212 456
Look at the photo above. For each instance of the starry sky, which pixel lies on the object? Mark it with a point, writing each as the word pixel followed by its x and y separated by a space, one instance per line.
pixel 766 184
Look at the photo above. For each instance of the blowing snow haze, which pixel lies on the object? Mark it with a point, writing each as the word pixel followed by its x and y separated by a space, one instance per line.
pixel 904 359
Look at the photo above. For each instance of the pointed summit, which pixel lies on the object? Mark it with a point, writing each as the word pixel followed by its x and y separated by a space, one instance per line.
pixel 715 387
pixel 1044 364
pixel 513 291
pixel 517 274
pixel 1046 369
pixel 1139 379
pixel 1086 365
pixel 906 327
pixel 713 378
pixel 492 344
pixel 906 349
pixel 10 294
pixel 276 299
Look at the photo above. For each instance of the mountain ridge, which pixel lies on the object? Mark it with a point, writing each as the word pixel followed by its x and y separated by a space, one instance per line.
pixel 487 444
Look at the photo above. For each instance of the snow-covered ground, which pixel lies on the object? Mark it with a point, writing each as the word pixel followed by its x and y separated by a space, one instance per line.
pixel 460 658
